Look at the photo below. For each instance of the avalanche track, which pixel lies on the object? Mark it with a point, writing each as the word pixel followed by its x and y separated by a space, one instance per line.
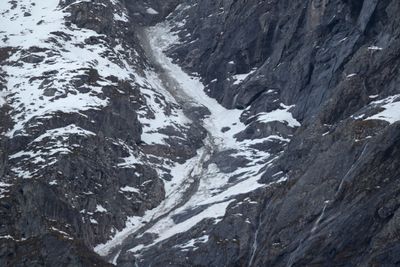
pixel 199 185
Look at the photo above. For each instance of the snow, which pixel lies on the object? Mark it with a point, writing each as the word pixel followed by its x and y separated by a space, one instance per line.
pixel 239 78
pixel 66 235
pixel 7 237
pixel 2 99
pixel 282 115
pixel 63 57
pixel 391 112
pixel 26 31
pixel 100 208
pixel 122 17
pixel 174 192
pixel 215 191
pixel 3 189
pixel 66 58
pixel 131 160
pixel 56 142
pixel 375 48
pixel 2 184
pixel 151 11
pixel 168 228
pixel 114 260
pixel 53 143
pixel 129 189
pixel 160 39
pixel 192 243
pixel 155 118
pixel 131 223
pixel 64 132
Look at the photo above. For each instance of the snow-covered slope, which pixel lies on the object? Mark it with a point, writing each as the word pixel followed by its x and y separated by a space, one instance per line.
pixel 88 116
pixel 43 73
pixel 203 137
pixel 62 82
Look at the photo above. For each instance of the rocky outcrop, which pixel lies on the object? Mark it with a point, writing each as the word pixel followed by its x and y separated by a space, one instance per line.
pixel 149 12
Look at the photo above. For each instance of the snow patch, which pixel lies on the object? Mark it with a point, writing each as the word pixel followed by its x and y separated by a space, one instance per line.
pixel 151 11
pixel 239 78
pixel 282 115
pixel 100 208
pixel 130 189
pixel 191 244
pixel 391 112
pixel 351 75
pixel 374 47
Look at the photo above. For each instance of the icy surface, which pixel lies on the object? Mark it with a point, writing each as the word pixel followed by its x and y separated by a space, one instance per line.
pixel 52 143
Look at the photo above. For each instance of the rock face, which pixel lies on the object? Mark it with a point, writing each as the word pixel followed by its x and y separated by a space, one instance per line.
pixel 110 155
pixel 335 62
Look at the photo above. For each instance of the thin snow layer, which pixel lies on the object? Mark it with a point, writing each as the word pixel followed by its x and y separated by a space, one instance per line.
pixel 132 159
pixel 168 228
pixel 216 190
pixel 44 151
pixel 391 112
pixel 50 57
pixel 64 132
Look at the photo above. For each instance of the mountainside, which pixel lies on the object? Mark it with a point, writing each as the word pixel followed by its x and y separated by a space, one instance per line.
pixel 199 133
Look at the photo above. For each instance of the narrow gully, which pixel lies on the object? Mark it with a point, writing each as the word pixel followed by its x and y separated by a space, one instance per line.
pixel 190 109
